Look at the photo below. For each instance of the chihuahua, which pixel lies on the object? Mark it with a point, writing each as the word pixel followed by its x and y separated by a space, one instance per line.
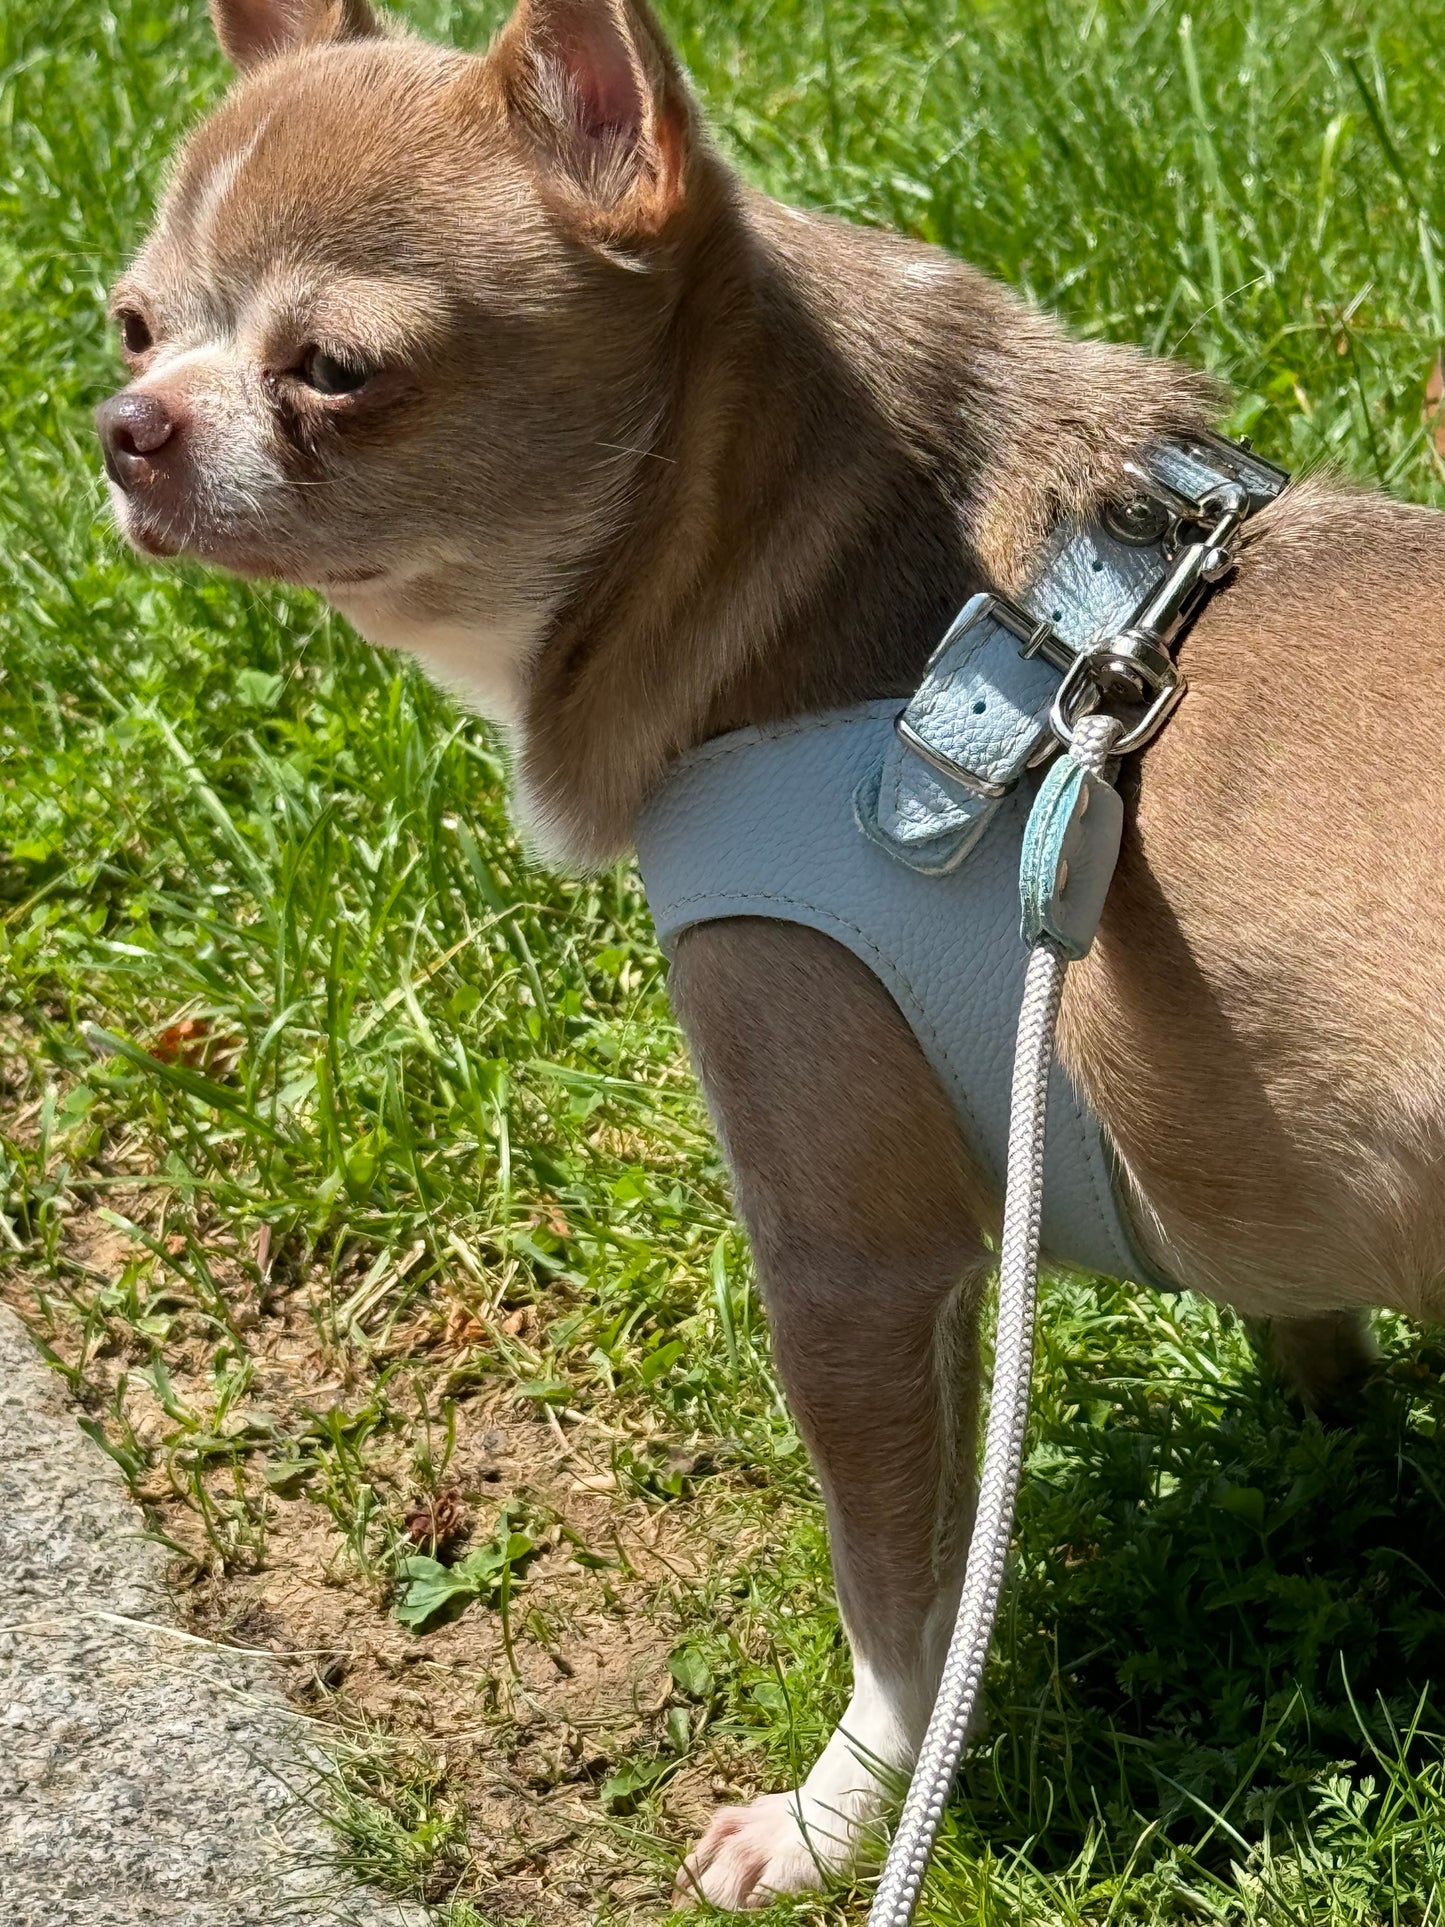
pixel 498 355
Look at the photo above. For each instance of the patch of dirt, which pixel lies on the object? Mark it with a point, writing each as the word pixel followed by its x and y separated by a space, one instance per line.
pixel 528 1718
pixel 521 1718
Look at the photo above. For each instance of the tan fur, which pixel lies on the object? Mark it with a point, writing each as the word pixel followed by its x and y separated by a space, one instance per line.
pixel 643 456
pixel 1261 1025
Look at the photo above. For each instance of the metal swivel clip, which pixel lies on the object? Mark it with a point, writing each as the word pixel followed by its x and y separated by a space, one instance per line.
pixel 1136 666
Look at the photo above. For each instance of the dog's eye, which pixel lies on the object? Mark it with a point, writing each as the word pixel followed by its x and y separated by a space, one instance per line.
pixel 330 374
pixel 135 336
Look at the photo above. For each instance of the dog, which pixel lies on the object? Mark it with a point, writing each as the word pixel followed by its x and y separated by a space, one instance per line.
pixel 496 353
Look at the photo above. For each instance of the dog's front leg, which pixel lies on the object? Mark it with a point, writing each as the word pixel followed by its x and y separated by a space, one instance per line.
pixel 862 1203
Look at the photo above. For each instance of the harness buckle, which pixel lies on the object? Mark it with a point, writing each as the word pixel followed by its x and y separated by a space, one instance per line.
pixel 1035 637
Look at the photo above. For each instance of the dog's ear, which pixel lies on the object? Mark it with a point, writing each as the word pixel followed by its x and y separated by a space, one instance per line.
pixel 251 31
pixel 598 96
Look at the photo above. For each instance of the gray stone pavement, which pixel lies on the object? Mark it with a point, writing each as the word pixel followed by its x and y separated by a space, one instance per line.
pixel 147 1779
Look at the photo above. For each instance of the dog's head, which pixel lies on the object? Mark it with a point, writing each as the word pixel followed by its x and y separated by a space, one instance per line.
pixel 397 331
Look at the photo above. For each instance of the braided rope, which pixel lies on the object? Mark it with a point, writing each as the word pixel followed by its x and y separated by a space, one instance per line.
pixel 896 1899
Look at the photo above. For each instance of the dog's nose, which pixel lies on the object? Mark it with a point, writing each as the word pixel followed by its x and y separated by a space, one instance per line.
pixel 133 427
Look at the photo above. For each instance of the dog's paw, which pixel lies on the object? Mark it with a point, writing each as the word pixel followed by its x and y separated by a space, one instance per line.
pixel 750 1855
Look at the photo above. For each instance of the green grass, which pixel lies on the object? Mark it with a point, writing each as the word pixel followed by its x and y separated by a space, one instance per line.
pixel 423 1076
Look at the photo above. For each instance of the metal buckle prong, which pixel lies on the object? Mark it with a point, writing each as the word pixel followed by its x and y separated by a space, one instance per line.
pixel 1035 635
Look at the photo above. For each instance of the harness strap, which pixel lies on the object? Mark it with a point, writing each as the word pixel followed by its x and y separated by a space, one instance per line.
pixel 1009 682
pixel 982 714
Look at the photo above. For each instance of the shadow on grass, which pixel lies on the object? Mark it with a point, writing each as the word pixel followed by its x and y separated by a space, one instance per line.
pixel 1218 1607
pixel 1218 1686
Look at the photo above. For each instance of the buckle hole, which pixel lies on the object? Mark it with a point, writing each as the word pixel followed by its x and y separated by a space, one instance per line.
pixel 979 708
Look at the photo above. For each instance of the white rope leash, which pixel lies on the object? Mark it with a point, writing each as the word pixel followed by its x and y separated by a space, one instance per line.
pixel 896 1900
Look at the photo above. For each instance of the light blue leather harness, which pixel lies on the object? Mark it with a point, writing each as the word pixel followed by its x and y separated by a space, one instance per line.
pixel 858 822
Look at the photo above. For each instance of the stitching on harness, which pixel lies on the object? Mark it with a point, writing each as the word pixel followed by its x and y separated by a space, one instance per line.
pixel 844 923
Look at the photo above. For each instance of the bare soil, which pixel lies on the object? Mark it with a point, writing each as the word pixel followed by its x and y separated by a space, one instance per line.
pixel 518 1722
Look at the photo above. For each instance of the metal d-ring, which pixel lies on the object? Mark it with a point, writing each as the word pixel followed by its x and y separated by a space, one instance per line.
pixel 1079 694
